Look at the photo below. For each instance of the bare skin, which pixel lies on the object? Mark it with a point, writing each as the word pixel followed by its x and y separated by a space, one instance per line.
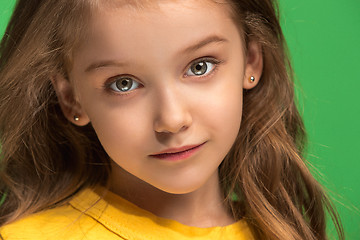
pixel 202 208
pixel 151 80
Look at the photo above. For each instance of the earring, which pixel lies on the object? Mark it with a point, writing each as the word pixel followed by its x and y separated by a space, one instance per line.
pixel 76 118
pixel 252 79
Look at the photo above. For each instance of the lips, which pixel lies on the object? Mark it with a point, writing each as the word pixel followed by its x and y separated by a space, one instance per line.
pixel 173 154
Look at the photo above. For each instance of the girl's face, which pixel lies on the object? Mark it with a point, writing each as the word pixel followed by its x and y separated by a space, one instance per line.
pixel 162 87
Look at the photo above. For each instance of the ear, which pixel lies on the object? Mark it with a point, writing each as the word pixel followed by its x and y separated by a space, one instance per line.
pixel 70 107
pixel 254 65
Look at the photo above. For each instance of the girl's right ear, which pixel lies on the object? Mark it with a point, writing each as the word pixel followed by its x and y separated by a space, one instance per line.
pixel 69 104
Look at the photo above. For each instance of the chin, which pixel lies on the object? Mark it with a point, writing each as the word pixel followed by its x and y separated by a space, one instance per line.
pixel 179 187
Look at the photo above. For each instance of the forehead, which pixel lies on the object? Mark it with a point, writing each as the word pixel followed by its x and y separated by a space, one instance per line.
pixel 141 4
pixel 149 10
pixel 136 6
pixel 155 28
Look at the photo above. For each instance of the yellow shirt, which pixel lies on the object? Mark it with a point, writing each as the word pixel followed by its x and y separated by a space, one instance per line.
pixel 89 216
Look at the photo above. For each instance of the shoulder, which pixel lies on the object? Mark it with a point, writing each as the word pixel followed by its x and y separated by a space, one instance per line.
pixel 63 222
pixel 93 215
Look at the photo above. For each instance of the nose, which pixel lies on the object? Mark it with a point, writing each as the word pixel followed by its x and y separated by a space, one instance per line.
pixel 172 113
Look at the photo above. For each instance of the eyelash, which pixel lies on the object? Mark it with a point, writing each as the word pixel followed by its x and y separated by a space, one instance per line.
pixel 113 80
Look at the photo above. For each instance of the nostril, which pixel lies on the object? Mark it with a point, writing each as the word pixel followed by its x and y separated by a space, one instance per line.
pixel 183 128
pixel 168 130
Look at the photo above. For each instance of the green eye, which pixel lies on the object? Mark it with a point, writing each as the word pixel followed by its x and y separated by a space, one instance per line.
pixel 200 68
pixel 124 84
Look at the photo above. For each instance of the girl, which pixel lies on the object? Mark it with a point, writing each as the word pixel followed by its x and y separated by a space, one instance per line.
pixel 152 120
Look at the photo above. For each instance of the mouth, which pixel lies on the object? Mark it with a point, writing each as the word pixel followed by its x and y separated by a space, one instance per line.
pixel 175 154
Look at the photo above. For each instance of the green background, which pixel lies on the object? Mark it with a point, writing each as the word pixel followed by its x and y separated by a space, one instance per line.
pixel 324 42
pixel 324 38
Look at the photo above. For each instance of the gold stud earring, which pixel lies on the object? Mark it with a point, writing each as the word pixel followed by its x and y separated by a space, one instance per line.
pixel 76 118
pixel 252 79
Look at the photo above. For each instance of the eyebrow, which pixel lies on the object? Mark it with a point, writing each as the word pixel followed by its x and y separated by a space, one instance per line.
pixel 105 63
pixel 206 41
pixel 203 43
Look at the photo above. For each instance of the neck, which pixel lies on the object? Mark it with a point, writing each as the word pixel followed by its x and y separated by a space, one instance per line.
pixel 203 207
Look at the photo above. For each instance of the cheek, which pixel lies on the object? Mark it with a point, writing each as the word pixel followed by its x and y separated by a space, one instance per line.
pixel 225 108
pixel 111 117
pixel 223 104
pixel 119 127
pixel 226 111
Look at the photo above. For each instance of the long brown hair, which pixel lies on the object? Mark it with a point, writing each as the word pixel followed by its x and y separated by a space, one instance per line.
pixel 45 160
pixel 266 168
